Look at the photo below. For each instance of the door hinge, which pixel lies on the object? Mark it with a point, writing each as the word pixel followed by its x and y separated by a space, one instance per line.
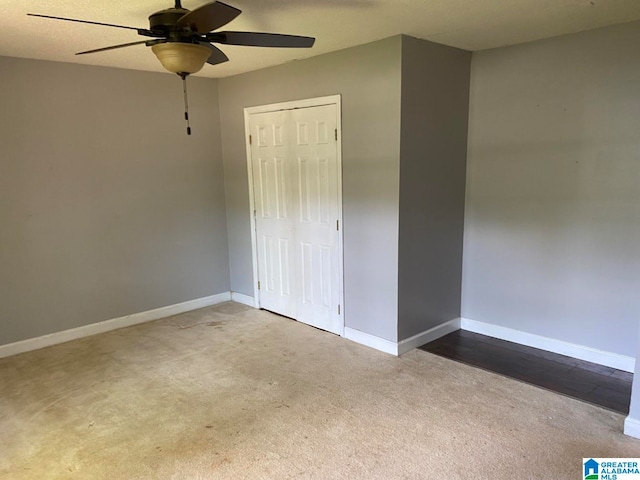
pixel 258 285
pixel 338 309
pixel 338 225
pixel 255 214
pixel 336 132
pixel 250 140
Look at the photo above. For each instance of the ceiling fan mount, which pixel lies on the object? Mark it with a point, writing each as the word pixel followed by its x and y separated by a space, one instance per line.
pixel 167 19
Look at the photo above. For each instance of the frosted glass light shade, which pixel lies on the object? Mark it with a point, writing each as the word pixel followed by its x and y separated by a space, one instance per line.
pixel 180 57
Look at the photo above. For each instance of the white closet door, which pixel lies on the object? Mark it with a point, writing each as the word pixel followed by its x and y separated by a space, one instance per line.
pixel 295 178
pixel 274 221
pixel 314 160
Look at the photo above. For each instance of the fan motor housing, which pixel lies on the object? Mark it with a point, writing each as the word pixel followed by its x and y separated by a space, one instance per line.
pixel 166 20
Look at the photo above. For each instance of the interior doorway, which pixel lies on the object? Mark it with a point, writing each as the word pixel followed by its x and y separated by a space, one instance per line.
pixel 294 165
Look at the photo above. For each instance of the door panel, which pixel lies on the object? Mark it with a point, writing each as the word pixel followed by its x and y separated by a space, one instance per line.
pixel 273 224
pixel 316 232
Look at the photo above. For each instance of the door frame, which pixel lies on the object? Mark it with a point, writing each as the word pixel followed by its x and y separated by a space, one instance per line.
pixel 292 105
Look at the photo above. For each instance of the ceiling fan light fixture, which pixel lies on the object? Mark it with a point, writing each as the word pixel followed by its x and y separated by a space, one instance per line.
pixel 179 57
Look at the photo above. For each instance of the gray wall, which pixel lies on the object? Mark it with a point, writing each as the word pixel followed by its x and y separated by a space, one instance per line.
pixel 107 208
pixel 433 155
pixel 368 78
pixel 552 232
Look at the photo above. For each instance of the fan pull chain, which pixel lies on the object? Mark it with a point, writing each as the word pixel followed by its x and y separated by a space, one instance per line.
pixel 186 102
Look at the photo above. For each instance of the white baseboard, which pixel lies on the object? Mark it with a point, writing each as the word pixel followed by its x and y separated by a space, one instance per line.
pixel 581 352
pixel 632 427
pixel 372 341
pixel 428 336
pixel 108 325
pixel 404 346
pixel 243 299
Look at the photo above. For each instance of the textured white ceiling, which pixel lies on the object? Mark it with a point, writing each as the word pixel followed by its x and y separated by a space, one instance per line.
pixel 336 24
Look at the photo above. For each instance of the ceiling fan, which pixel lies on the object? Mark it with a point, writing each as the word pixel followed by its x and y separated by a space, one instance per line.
pixel 182 39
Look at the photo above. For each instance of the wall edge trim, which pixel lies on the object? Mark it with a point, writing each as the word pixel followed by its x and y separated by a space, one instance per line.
pixel 244 299
pixel 429 335
pixel 63 336
pixel 368 340
pixel 581 352
pixel 632 427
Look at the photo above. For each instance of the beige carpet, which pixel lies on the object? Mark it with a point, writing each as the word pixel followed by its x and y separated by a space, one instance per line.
pixel 234 393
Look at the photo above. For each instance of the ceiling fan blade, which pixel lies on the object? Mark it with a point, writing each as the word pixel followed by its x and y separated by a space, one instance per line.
pixel 141 31
pixel 113 47
pixel 217 56
pixel 209 17
pixel 255 39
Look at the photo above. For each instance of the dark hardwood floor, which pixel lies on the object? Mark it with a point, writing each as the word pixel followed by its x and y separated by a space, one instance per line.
pixel 590 382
